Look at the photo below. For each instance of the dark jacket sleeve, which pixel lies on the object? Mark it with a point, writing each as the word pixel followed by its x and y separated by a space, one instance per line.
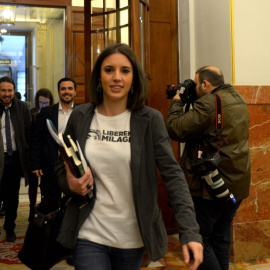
pixel 184 127
pixel 175 182
pixel 27 124
pixel 21 120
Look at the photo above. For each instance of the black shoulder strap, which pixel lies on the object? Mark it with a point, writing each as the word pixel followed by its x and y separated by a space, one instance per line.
pixel 219 120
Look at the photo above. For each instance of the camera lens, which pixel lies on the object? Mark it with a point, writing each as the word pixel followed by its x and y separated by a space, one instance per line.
pixel 171 91
pixel 218 186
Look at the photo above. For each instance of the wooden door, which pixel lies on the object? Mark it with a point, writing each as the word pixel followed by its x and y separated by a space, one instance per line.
pixel 163 71
pixel 76 50
pixel 160 63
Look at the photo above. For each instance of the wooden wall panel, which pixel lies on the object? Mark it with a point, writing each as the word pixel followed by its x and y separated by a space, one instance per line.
pixel 163 71
pixel 78 57
pixel 80 93
pixel 75 50
pixel 161 10
pixel 77 18
pixel 161 64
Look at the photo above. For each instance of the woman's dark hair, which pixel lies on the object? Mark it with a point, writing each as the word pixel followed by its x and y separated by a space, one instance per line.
pixel 136 98
pixel 18 95
pixel 44 92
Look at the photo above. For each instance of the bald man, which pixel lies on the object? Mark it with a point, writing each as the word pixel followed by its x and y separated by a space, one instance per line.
pixel 217 190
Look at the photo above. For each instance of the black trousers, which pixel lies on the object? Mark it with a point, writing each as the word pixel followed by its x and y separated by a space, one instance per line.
pixel 215 219
pixel 10 186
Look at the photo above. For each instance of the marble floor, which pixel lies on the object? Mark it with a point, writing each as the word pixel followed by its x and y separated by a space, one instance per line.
pixel 171 261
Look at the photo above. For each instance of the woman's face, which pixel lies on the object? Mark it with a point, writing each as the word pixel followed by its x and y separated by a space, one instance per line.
pixel 43 102
pixel 116 77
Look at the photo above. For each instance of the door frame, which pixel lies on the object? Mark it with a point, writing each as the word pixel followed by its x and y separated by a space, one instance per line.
pixel 28 61
pixel 38 3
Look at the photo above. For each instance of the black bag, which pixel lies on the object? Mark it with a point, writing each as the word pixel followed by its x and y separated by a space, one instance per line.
pixel 40 250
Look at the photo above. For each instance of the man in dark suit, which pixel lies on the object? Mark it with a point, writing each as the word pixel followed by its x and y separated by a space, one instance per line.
pixel 14 142
pixel 44 150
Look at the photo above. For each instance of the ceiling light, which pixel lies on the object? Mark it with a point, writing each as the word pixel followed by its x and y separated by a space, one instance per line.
pixel 7 15
pixel 3 31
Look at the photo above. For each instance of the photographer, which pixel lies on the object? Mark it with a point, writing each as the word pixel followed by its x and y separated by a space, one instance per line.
pixel 197 129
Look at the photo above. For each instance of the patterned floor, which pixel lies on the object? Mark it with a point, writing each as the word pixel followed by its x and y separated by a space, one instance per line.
pixel 171 261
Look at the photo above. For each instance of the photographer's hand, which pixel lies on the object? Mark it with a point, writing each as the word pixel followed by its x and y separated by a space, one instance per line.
pixel 196 249
pixel 177 96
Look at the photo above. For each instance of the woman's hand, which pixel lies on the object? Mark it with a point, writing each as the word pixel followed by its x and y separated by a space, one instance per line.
pixel 196 249
pixel 38 173
pixel 80 185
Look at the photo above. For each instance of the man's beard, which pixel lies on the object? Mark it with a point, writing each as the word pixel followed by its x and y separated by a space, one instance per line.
pixel 67 101
pixel 6 100
pixel 201 92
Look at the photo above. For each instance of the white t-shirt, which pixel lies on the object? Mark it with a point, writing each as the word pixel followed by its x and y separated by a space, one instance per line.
pixel 112 221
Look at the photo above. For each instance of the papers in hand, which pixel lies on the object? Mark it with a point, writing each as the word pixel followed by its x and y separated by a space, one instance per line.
pixel 81 156
pixel 70 152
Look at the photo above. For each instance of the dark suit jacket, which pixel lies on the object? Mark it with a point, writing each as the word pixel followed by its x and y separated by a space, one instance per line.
pixel 150 148
pixel 44 151
pixel 21 121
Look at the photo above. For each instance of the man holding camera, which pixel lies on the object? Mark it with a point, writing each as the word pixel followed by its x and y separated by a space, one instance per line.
pixel 215 160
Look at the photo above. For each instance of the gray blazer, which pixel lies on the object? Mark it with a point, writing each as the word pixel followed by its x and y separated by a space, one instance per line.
pixel 150 149
pixel 21 121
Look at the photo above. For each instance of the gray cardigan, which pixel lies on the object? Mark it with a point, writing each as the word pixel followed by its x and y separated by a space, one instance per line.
pixel 150 149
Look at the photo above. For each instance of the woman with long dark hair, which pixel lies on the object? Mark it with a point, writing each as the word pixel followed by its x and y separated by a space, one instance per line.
pixel 124 142
pixel 43 98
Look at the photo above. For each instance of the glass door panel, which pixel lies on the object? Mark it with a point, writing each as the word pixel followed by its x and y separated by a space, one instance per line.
pixel 124 17
pixel 13 59
pixel 125 37
pixel 35 46
pixel 110 5
pixel 110 23
pixel 123 3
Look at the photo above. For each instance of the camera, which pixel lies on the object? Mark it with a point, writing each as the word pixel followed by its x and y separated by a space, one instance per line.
pixel 187 91
pixel 208 162
pixel 207 167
